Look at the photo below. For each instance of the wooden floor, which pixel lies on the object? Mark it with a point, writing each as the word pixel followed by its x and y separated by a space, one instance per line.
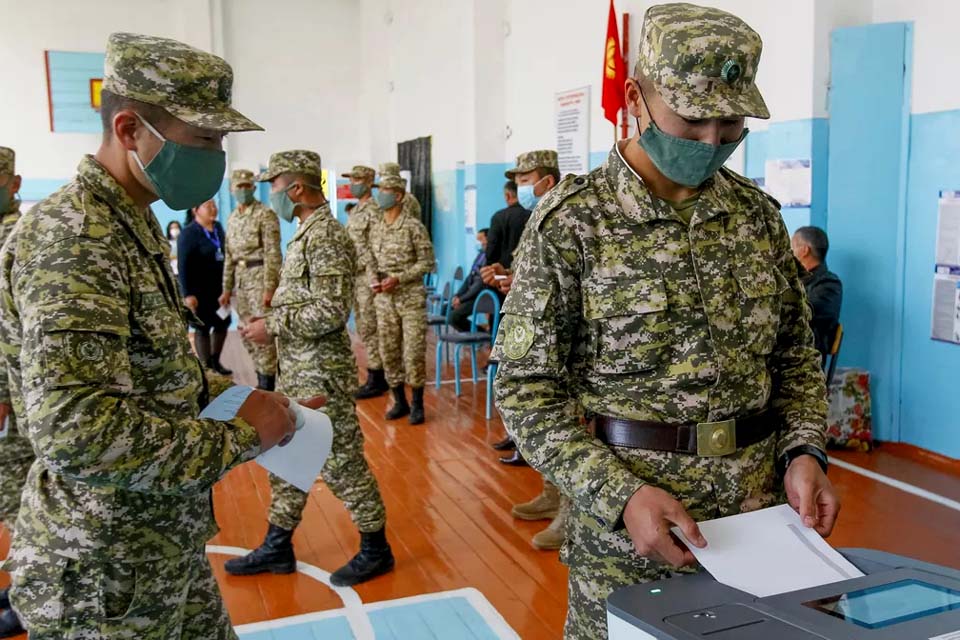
pixel 448 504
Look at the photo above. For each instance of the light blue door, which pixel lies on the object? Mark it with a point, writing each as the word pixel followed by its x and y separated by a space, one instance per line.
pixel 869 133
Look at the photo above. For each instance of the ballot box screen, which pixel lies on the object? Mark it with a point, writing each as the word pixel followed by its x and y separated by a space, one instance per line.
pixel 889 604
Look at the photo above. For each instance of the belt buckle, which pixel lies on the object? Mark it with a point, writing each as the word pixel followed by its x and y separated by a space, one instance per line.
pixel 716 438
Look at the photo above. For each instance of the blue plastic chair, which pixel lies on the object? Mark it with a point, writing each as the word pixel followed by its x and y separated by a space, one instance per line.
pixel 491 374
pixel 457 278
pixel 486 303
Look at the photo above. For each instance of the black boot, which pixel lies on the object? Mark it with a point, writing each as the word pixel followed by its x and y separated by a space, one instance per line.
pixel 214 365
pixel 507 444
pixel 416 408
pixel 376 385
pixel 265 382
pixel 10 624
pixel 5 598
pixel 400 407
pixel 515 460
pixel 375 559
pixel 274 555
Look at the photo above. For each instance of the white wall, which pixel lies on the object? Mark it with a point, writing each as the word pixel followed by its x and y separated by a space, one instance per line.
pixel 298 74
pixel 30 27
pixel 936 50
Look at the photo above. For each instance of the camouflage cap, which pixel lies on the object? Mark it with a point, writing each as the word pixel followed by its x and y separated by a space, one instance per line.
pixel 389 168
pixel 191 85
pixel 703 61
pixel 360 172
pixel 393 182
pixel 241 176
pixel 526 162
pixel 8 161
pixel 294 161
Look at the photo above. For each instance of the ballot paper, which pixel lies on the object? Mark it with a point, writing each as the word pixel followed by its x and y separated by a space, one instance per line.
pixel 768 552
pixel 224 312
pixel 300 461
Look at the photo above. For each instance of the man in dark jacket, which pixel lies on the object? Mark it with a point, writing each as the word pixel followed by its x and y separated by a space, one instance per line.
pixel 824 289
pixel 506 226
pixel 471 287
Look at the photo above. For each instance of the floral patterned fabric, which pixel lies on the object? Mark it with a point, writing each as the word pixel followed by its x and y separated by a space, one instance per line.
pixel 849 421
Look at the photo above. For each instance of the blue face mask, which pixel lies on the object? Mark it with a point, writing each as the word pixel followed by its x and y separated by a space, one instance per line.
pixel 283 205
pixel 358 189
pixel 525 196
pixel 479 247
pixel 387 200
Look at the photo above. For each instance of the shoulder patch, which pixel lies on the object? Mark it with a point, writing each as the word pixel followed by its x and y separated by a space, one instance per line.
pixel 567 188
pixel 733 176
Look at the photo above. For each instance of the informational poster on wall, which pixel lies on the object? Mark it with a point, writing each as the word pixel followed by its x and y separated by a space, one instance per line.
pixel 789 181
pixel 573 130
pixel 945 314
pixel 470 208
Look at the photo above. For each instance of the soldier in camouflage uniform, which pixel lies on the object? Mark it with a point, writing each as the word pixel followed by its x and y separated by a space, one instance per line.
pixel 402 255
pixel 252 267
pixel 308 321
pixel 660 291
pixel 16 455
pixel 109 541
pixel 361 219
pixel 411 205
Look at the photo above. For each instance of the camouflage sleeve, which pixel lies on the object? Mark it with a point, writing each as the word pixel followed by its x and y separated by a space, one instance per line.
pixel 360 234
pixel 799 393
pixel 535 347
pixel 84 419
pixel 229 264
pixel 272 256
pixel 326 273
pixel 425 258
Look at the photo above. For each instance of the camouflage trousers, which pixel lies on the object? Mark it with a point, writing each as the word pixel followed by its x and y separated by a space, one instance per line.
pixel 601 562
pixel 249 303
pixel 365 314
pixel 346 471
pixel 16 457
pixel 166 599
pixel 402 329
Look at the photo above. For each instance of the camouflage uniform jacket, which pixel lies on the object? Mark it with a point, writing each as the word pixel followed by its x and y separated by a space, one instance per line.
pixel 94 335
pixel 253 234
pixel 359 224
pixel 16 447
pixel 402 249
pixel 620 305
pixel 411 206
pixel 312 304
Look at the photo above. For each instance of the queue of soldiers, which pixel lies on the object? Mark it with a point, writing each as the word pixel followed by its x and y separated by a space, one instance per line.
pixel 655 360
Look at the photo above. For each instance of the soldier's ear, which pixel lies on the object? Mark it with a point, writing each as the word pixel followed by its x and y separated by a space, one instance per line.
pixel 125 124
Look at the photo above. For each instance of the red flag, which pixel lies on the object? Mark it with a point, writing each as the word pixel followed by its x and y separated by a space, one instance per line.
pixel 614 71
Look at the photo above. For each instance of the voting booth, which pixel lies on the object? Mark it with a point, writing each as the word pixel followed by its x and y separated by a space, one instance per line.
pixel 897 598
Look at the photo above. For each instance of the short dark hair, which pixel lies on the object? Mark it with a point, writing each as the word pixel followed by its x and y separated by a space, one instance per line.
pixel 816 239
pixel 111 103
pixel 308 180
pixel 543 172
pixel 350 206
pixel 511 186
pixel 484 231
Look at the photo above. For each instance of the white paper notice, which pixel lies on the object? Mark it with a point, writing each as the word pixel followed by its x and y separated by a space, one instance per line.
pixel 224 312
pixel 572 110
pixel 789 181
pixel 768 552
pixel 943 317
pixel 300 461
pixel 948 230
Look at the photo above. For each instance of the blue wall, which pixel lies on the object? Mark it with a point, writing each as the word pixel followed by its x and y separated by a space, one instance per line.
pixel 794 140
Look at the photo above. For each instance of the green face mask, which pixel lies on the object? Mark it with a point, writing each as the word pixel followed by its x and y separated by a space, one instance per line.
pixel 183 176
pixel 686 162
pixel 243 196
pixel 6 202
pixel 283 205
pixel 386 200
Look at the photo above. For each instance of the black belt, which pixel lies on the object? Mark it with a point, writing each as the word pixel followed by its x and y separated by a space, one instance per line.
pixel 246 264
pixel 704 438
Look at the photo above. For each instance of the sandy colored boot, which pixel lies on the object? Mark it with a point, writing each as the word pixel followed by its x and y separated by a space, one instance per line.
pixel 543 507
pixel 553 536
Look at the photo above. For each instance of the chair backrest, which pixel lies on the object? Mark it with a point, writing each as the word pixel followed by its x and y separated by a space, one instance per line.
pixel 458 274
pixel 444 300
pixel 834 353
pixel 486 303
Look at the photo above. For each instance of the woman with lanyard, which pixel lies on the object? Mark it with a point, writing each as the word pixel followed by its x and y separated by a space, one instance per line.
pixel 200 250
